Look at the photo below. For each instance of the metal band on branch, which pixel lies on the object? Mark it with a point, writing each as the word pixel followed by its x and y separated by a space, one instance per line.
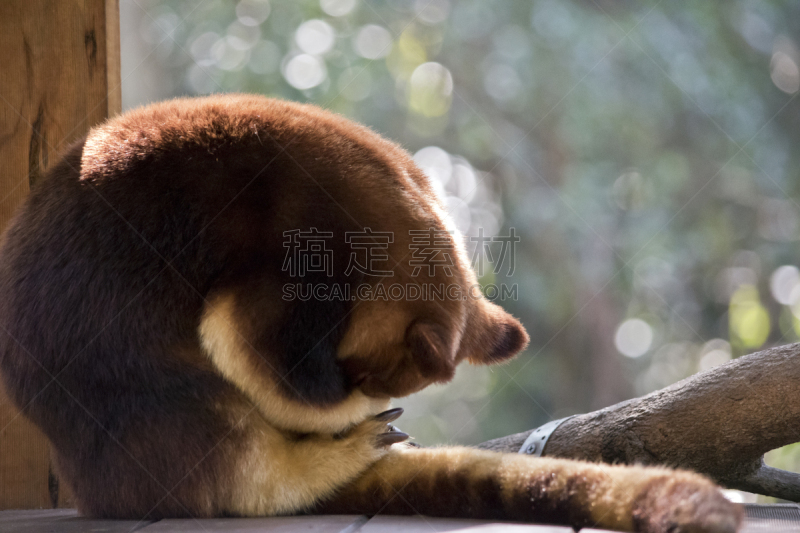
pixel 536 441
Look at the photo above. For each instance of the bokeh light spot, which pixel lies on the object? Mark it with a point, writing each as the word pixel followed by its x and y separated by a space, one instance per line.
pixel 252 12
pixel 315 37
pixel 435 163
pixel 337 8
pixel 304 71
pixel 430 90
pixel 785 284
pixel 749 320
pixel 459 212
pixel 432 11
pixel 373 42
pixel 406 55
pixel 714 353
pixel 784 73
pixel 633 337
pixel 464 182
pixel 227 55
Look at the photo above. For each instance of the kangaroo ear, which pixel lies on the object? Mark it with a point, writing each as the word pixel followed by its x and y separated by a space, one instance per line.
pixel 425 355
pixel 502 338
pixel 432 351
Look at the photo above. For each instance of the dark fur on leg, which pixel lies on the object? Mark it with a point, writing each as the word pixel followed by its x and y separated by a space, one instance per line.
pixel 463 482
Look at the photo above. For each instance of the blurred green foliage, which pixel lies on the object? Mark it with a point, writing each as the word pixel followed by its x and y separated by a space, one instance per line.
pixel 645 152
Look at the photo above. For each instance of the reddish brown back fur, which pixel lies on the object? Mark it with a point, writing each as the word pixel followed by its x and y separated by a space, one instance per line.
pixel 143 328
pixel 112 262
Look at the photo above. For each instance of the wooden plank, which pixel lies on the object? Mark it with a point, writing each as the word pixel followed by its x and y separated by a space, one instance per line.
pixel 773 518
pixel 40 515
pixel 60 77
pixel 278 524
pixel 426 524
pixel 63 521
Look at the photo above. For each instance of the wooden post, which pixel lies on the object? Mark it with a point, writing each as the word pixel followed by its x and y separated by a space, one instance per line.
pixel 60 77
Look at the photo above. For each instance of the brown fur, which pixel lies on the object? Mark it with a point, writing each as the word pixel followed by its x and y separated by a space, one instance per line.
pixel 142 327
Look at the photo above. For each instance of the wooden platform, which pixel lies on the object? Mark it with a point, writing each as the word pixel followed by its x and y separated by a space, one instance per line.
pixel 782 518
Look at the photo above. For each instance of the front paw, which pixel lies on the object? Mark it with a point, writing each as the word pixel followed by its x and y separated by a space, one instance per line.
pixel 685 504
pixel 377 432
pixel 391 434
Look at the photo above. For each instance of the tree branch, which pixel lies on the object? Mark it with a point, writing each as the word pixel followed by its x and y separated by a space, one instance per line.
pixel 719 423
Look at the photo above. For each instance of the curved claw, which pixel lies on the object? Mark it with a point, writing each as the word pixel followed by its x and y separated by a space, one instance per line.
pixel 387 439
pixel 389 416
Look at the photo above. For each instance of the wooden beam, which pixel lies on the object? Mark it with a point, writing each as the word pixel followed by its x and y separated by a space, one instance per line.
pixel 60 77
